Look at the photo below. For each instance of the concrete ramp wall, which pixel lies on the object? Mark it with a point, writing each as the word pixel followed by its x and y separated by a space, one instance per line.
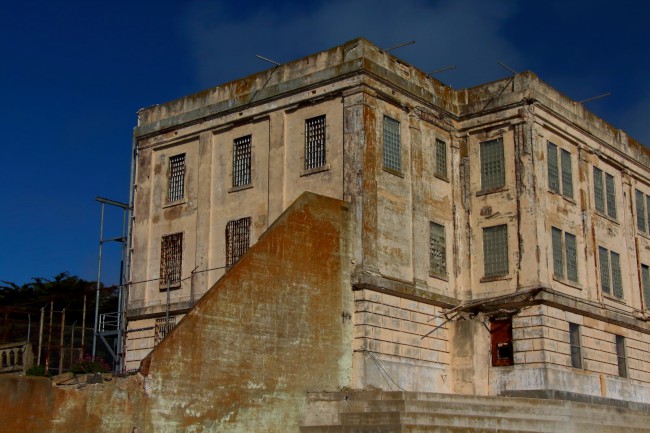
pixel 274 327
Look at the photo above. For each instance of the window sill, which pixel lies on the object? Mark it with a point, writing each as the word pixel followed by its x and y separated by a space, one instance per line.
pixel 175 203
pixel 492 191
pixel 240 188
pixel 443 277
pixel 614 299
pixel 567 282
pixel 394 172
pixel 567 198
pixel 441 177
pixel 607 217
pixel 315 170
pixel 176 286
pixel 506 277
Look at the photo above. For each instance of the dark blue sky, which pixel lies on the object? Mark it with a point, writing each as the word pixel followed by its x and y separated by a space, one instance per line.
pixel 73 75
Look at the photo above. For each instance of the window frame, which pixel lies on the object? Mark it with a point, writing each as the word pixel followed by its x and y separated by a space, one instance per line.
pixel 621 355
pixel 236 237
pixel 559 170
pixel 564 248
pixel 440 169
pixel 176 170
pixel 171 262
pixel 605 194
pixel 495 157
pixel 315 151
pixel 643 215
pixel 391 145
pixel 437 246
pixel 242 156
pixel 645 285
pixel 575 345
pixel 611 276
pixel 492 254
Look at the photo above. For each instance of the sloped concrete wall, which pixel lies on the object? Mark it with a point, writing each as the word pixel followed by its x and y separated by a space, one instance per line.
pixel 274 327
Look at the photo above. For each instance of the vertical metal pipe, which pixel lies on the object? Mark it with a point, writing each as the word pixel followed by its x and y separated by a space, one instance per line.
pixel 99 276
pixel 61 351
pixel 40 336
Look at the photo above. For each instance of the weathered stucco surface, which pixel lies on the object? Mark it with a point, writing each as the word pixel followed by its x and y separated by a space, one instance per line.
pixel 274 327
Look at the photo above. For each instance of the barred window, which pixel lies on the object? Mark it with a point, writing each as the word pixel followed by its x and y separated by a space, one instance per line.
pixel 237 239
pixel 565 254
pixel 315 151
pixel 495 250
pixel 441 159
pixel 604 193
pixel 574 342
pixel 392 157
pixel 611 279
pixel 241 161
pixel 162 328
pixel 620 356
pixel 176 179
pixel 642 212
pixel 171 260
pixel 645 281
pixel 493 174
pixel 437 249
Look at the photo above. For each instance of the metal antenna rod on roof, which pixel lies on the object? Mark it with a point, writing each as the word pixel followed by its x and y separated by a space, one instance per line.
pixel 398 46
pixel 268 60
pixel 437 71
pixel 507 67
pixel 594 98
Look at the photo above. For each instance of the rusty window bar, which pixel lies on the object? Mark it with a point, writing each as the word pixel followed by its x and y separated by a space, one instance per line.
pixel 176 186
pixel 163 328
pixel 171 257
pixel 237 239
pixel 241 161
pixel 437 249
pixel 315 150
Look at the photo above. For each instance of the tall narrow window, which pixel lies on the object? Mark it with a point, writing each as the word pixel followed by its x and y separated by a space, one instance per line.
pixel 553 168
pixel 493 174
pixel 645 281
pixel 620 356
pixel 640 211
pixel 392 157
pixel 241 161
pixel 441 159
pixel 495 251
pixel 565 254
pixel 437 250
pixel 604 193
pixel 574 342
pixel 237 239
pixel 171 260
pixel 611 279
pixel 315 151
pixel 567 177
pixel 176 179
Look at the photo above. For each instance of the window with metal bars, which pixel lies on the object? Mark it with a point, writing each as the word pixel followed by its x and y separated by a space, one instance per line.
pixel 237 239
pixel 241 161
pixel 315 149
pixel 495 251
pixel 620 355
pixel 441 159
pixel 565 254
pixel 611 279
pixel 392 156
pixel 176 179
pixel 604 193
pixel 645 282
pixel 576 347
pixel 437 250
pixel 493 174
pixel 642 212
pixel 171 260
pixel 162 328
pixel 560 178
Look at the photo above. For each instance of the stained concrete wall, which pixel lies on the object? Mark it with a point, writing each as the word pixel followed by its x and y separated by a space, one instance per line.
pixel 274 327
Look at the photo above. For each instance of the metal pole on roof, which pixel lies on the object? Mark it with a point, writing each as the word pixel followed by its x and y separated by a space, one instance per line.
pixel 99 278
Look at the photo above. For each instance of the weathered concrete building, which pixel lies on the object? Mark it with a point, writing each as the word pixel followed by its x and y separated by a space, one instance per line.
pixel 490 241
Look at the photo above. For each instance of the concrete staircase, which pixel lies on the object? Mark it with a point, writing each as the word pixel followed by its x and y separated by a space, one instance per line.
pixel 405 412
